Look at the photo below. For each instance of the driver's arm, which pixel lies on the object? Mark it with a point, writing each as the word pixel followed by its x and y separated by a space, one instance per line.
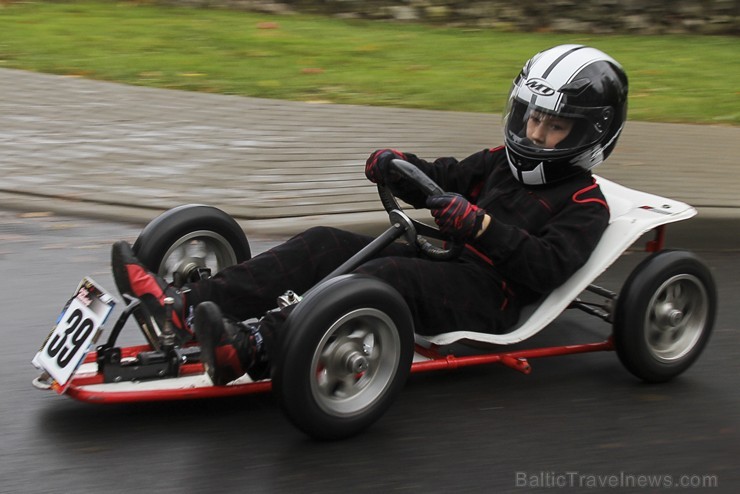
pixel 464 177
pixel 544 260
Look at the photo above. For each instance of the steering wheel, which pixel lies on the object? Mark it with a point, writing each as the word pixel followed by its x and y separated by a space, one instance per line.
pixel 420 230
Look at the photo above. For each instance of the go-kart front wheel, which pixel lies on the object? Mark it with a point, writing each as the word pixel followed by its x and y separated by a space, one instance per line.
pixel 184 240
pixel 347 353
pixel 664 315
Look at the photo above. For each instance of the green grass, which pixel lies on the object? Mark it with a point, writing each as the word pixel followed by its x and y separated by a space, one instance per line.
pixel 308 58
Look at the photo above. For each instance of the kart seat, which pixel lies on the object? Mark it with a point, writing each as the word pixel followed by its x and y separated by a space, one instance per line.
pixel 631 214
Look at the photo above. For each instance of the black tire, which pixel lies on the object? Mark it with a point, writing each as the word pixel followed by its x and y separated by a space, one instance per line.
pixel 664 315
pixel 190 237
pixel 346 354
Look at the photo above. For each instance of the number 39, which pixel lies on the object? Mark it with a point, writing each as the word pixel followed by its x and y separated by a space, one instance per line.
pixel 78 329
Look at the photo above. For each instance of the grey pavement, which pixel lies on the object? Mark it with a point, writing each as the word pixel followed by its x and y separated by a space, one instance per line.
pixel 98 149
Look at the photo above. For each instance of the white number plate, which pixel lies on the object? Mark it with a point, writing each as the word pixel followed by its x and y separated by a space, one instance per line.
pixel 77 328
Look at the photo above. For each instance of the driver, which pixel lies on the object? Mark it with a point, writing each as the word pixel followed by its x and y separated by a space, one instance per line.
pixel 529 213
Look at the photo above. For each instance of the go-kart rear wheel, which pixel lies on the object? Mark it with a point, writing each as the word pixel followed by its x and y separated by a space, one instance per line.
pixel 664 315
pixel 184 240
pixel 347 353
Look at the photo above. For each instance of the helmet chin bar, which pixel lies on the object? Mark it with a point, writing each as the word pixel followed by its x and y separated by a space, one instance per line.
pixel 536 176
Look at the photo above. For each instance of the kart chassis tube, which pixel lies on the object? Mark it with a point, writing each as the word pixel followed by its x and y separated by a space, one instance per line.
pixel 514 359
pixel 401 226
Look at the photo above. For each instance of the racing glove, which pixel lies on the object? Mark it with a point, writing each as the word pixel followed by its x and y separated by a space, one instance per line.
pixel 377 166
pixel 456 216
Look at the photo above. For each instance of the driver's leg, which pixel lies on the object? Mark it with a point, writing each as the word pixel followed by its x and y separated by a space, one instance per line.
pixel 442 297
pixel 248 289
pixel 461 295
pixel 251 288
pixel 134 279
pixel 229 349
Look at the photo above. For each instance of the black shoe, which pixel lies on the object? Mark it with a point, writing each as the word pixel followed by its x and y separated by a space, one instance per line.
pixel 134 279
pixel 228 349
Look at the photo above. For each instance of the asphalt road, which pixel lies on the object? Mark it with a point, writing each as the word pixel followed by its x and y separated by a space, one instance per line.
pixel 576 422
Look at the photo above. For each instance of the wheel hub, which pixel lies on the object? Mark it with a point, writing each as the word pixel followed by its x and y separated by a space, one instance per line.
pixel 356 363
pixel 189 264
pixel 350 359
pixel 675 317
pixel 670 316
pixel 678 314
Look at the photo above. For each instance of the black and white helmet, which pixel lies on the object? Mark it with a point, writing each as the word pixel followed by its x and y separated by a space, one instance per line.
pixel 573 82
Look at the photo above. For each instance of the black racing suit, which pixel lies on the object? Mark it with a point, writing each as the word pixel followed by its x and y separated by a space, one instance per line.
pixel 538 237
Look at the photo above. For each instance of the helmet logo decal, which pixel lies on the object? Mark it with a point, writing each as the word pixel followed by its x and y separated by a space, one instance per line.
pixel 540 87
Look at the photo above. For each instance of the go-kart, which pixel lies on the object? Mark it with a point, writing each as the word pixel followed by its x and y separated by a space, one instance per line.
pixel 349 343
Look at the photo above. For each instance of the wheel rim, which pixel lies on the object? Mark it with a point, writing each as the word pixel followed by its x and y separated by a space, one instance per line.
pixel 200 249
pixel 676 317
pixel 355 362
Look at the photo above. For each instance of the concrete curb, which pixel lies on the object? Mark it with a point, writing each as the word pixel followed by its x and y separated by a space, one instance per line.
pixel 713 229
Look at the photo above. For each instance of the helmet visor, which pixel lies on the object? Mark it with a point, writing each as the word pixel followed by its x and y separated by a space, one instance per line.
pixel 537 132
